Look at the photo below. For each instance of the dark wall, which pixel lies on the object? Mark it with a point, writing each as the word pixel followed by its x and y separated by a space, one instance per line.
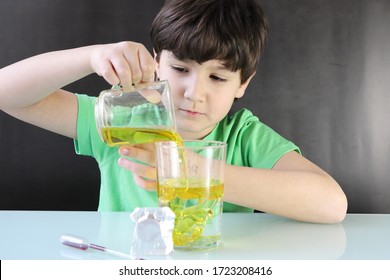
pixel 322 83
pixel 39 169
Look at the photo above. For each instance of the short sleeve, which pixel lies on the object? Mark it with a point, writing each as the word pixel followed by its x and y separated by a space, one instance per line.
pixel 86 127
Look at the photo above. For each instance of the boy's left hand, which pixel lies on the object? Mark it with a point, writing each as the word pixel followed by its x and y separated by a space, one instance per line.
pixel 144 173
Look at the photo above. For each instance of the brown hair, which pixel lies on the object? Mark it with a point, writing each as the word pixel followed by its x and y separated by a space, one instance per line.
pixel 233 31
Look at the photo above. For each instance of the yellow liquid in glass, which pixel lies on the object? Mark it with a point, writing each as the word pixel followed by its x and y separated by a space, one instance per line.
pixel 197 204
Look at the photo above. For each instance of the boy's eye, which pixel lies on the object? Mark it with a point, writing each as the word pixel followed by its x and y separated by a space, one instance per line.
pixel 179 69
pixel 216 78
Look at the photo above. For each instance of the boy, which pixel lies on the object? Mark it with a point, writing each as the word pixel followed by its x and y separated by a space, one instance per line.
pixel 208 51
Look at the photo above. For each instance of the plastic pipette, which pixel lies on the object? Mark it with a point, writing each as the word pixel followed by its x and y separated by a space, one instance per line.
pixel 83 244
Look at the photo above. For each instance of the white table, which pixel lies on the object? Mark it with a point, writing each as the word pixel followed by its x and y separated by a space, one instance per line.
pixel 32 235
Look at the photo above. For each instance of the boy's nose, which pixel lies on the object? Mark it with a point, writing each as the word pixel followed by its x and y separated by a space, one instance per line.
pixel 195 91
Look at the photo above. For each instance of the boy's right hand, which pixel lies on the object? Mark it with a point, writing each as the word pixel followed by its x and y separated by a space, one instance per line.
pixel 126 63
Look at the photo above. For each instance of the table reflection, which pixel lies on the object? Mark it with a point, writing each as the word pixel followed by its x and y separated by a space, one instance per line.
pixel 245 236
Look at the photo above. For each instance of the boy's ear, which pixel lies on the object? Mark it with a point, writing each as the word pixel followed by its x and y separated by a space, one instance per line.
pixel 154 54
pixel 241 90
pixel 157 64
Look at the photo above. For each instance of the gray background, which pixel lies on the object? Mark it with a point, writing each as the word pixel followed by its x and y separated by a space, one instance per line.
pixel 322 82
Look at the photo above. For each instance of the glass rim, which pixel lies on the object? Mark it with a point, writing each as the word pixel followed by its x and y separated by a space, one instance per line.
pixel 139 86
pixel 203 144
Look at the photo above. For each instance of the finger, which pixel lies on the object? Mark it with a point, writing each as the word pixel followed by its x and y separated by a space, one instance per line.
pixel 149 185
pixel 145 146
pixel 132 59
pixel 108 73
pixel 143 153
pixel 151 95
pixel 147 64
pixel 138 168
pixel 123 71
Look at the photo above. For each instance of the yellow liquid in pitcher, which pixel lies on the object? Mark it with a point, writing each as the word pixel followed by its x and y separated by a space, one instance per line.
pixel 118 136
pixel 198 207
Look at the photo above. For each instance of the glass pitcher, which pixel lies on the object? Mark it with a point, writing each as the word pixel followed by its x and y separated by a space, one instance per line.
pixel 143 115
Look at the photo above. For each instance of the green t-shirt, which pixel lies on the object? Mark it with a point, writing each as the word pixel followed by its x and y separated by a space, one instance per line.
pixel 249 143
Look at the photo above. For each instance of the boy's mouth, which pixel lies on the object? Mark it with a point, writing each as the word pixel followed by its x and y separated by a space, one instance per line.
pixel 190 113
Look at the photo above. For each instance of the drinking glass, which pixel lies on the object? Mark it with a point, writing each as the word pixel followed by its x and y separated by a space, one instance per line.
pixel 190 181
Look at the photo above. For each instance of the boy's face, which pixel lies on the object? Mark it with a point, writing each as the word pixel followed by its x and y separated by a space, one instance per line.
pixel 202 93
